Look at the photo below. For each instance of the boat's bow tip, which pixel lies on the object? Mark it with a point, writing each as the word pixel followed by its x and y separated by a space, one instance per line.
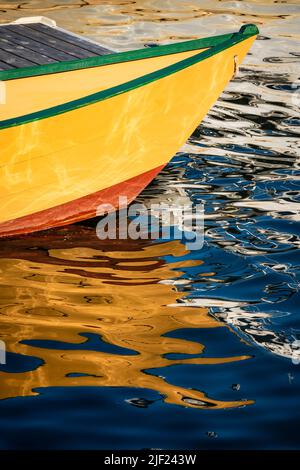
pixel 249 30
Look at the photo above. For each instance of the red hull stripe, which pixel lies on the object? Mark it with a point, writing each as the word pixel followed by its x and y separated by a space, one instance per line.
pixel 79 209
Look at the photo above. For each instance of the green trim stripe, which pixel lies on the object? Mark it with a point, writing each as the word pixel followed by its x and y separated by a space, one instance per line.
pixel 232 39
pixel 115 58
pixel 246 30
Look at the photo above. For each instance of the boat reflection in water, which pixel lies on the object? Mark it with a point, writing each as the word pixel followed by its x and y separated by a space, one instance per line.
pixel 91 313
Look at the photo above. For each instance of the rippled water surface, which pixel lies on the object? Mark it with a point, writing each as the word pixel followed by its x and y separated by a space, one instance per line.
pixel 139 344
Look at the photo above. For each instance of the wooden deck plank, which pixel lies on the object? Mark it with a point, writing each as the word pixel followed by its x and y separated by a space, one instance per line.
pixel 14 60
pixel 15 38
pixel 47 40
pixel 80 42
pixel 25 45
pixel 4 66
pixel 24 53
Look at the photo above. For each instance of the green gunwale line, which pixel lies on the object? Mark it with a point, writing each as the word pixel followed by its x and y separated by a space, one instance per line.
pixel 114 58
pixel 245 32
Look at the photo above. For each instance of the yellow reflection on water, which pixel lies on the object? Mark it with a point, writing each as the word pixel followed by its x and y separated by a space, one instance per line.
pixel 110 290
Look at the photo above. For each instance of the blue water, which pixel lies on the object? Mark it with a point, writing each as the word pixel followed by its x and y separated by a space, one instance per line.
pixel 96 359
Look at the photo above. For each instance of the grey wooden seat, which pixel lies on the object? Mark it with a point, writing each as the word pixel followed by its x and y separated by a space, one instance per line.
pixel 25 44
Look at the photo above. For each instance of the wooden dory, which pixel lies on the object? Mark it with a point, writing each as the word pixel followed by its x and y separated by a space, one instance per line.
pixel 81 125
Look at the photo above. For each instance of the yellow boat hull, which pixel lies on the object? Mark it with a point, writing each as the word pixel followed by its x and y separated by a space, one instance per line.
pixel 88 136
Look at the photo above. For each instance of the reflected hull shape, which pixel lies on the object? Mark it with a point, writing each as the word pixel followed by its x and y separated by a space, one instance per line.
pixel 96 313
pixel 78 134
